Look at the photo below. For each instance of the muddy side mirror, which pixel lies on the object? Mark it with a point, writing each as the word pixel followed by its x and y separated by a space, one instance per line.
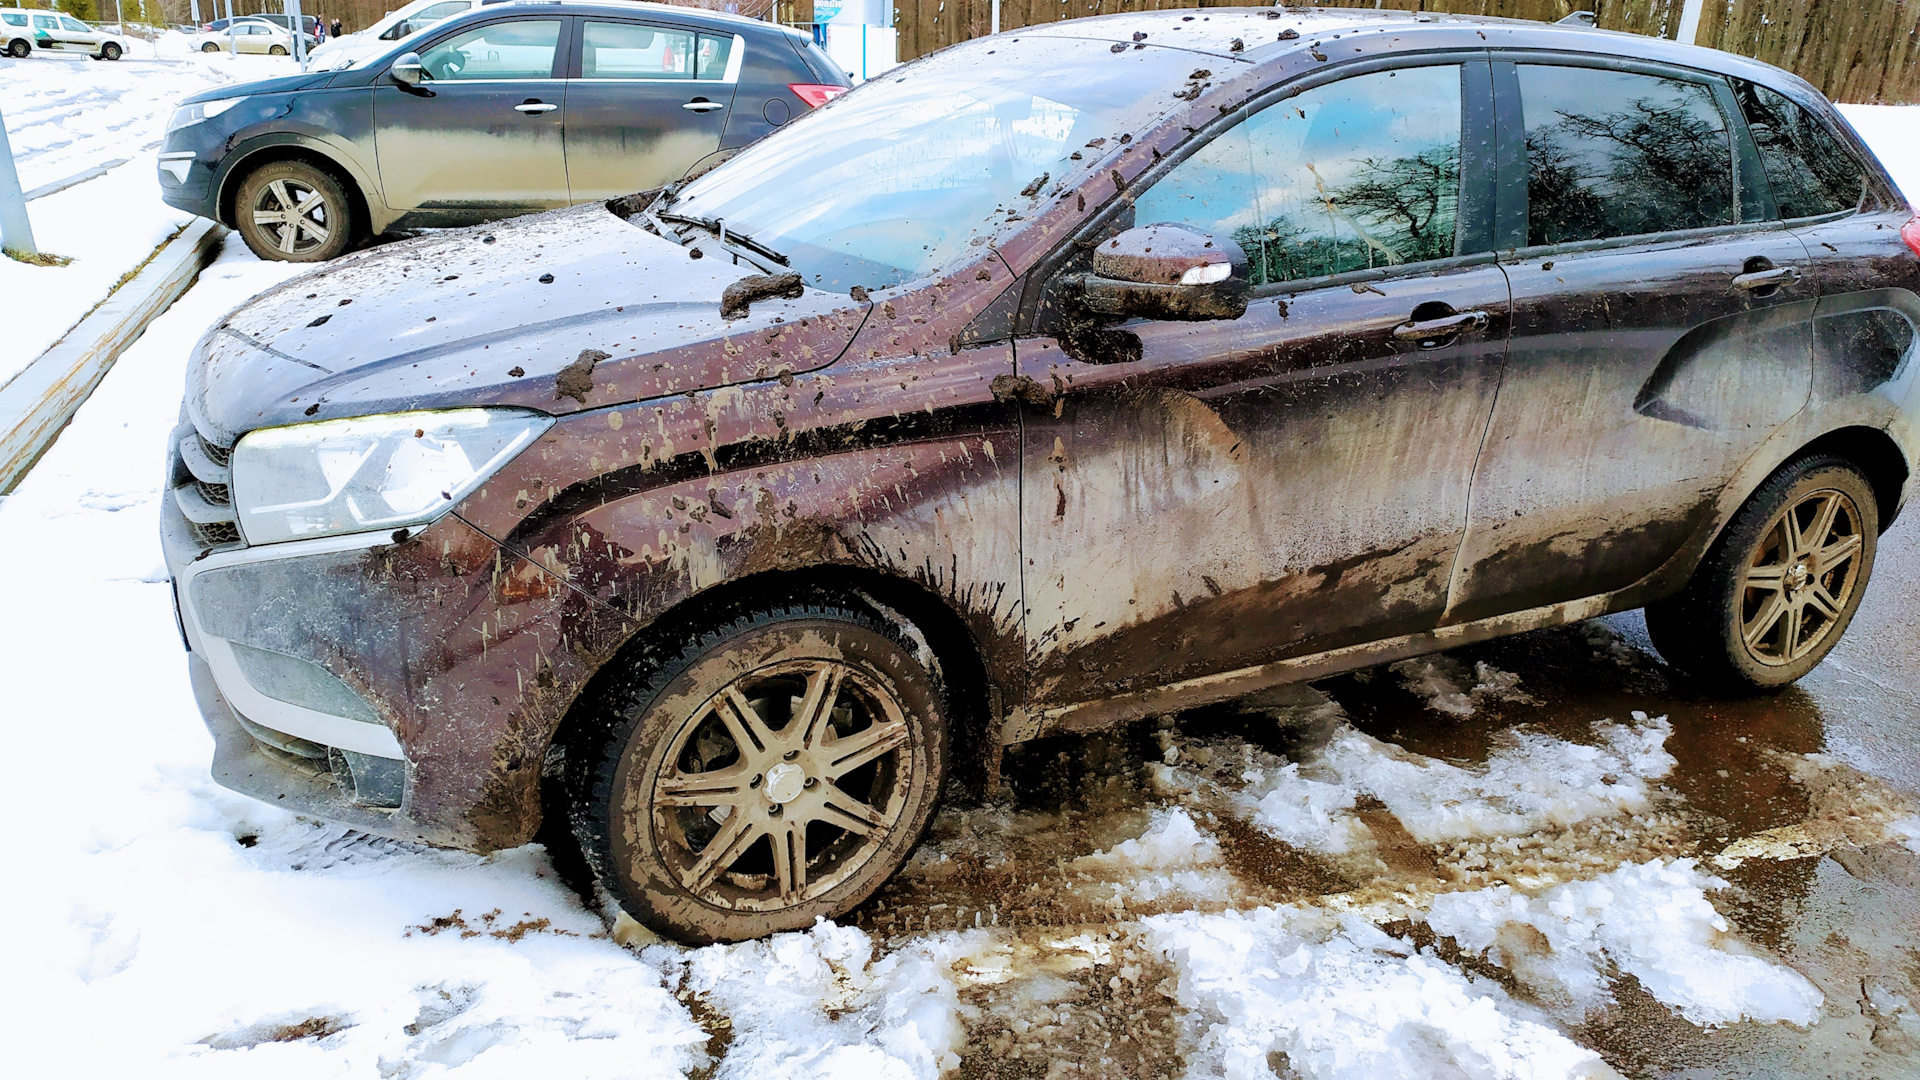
pixel 1166 271
pixel 406 70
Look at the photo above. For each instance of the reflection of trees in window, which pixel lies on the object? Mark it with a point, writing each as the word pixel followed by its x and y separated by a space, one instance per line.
pixel 1395 212
pixel 1649 167
pixel 1808 169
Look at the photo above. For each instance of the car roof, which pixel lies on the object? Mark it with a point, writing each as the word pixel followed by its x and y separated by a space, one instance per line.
pixel 631 7
pixel 1253 35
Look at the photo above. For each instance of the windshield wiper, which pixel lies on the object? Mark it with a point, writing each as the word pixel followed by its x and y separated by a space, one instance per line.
pixel 718 227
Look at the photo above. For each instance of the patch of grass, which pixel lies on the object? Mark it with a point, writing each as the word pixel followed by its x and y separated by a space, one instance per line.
pixel 42 258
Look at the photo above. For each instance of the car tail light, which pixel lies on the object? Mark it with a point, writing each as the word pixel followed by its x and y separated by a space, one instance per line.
pixel 1910 232
pixel 815 94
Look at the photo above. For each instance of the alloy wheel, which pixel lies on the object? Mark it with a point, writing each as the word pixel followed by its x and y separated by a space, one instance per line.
pixel 1801 577
pixel 783 785
pixel 293 215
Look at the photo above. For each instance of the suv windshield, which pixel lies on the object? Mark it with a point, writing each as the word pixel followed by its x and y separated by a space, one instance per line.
pixel 895 180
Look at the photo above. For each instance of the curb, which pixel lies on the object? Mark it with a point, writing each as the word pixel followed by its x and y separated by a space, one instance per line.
pixel 36 403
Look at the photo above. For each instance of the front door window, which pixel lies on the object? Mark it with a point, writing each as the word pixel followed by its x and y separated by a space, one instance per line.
pixel 1359 174
pixel 510 50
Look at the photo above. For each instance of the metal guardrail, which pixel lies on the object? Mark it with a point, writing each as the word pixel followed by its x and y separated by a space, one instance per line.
pixel 36 403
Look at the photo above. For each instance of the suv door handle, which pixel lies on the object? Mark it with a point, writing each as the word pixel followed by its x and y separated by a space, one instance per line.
pixel 1433 333
pixel 534 108
pixel 703 105
pixel 1766 279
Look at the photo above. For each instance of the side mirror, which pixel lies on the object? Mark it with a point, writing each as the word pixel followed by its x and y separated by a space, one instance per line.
pixel 406 70
pixel 1166 271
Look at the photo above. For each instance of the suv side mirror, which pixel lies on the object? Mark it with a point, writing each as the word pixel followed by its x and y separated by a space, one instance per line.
pixel 1166 271
pixel 406 70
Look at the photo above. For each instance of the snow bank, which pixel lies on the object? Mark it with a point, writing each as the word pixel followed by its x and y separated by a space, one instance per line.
pixel 1340 999
pixel 817 1005
pixel 1651 921
pixel 1530 782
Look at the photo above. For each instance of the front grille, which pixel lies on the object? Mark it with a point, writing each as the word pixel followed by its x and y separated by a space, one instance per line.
pixel 200 478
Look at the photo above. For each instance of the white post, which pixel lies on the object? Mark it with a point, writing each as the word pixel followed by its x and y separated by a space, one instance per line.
pixel 1690 22
pixel 16 232
pixel 996 16
pixel 299 27
pixel 120 14
pixel 196 14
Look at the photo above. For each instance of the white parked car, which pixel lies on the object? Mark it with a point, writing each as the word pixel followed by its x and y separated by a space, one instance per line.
pixel 249 36
pixel 336 54
pixel 54 30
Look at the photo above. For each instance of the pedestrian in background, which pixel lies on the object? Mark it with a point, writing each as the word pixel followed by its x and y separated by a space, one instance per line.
pixel 336 28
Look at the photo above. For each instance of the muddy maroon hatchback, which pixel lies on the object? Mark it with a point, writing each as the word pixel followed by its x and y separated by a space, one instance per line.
pixel 1063 378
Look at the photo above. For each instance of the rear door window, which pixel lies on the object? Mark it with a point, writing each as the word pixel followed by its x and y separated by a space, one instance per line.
pixel 616 50
pixel 1352 175
pixel 1810 172
pixel 1621 153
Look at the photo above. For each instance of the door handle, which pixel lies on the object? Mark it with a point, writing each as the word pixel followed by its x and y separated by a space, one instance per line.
pixel 1433 333
pixel 534 108
pixel 1766 279
pixel 702 105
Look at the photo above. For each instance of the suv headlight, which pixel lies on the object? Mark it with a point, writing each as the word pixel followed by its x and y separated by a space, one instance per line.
pixel 204 110
pixel 370 472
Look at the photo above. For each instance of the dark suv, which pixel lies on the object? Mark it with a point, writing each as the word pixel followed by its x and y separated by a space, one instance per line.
pixel 513 108
pixel 1057 380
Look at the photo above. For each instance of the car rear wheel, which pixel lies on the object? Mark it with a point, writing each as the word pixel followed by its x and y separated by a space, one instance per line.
pixel 778 771
pixel 210 46
pixel 110 51
pixel 277 50
pixel 19 48
pixel 293 212
pixel 1779 587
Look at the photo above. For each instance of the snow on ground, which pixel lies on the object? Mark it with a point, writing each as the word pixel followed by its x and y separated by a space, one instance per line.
pixel 65 114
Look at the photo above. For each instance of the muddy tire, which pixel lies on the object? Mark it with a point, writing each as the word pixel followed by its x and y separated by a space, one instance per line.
pixel 775 771
pixel 210 46
pixel 1777 590
pixel 110 51
pixel 277 50
pixel 19 49
pixel 293 212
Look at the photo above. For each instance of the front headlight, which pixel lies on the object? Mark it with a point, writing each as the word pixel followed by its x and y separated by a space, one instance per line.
pixel 204 110
pixel 370 472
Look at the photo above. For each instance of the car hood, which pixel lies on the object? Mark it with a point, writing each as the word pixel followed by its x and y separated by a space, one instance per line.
pixel 280 85
pixel 492 316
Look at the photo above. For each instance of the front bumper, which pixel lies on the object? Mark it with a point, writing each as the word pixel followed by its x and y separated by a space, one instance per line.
pixel 408 689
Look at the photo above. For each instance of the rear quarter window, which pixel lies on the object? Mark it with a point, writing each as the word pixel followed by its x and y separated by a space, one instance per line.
pixel 1810 171
pixel 13 19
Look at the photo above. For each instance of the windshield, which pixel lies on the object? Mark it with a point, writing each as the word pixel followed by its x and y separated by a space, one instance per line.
pixel 901 176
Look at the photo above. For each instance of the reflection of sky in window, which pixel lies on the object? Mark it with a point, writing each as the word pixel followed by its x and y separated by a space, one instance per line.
pixel 1291 177
pixel 1269 165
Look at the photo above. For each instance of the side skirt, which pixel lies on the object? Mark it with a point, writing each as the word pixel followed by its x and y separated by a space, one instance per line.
pixel 1021 725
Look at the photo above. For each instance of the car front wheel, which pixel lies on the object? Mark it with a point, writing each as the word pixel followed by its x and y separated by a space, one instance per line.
pixel 210 46
pixel 110 51
pixel 1777 590
pixel 293 212
pixel 778 771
